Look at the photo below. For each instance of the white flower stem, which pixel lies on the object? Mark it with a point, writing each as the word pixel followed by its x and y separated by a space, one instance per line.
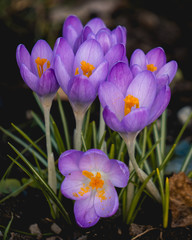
pixel 79 117
pixel 130 142
pixel 52 180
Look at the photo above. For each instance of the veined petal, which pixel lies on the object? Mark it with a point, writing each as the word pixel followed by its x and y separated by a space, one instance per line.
pixel 112 97
pixel 118 174
pixel 85 213
pixel 73 185
pixel 72 29
pixel 112 121
pixel 69 161
pixel 96 24
pixel 94 159
pixel 138 58
pixel 107 207
pixel 61 74
pixel 136 120
pixel 115 54
pixel 30 79
pixel 143 87
pixel 64 50
pixel 170 69
pixel 87 33
pixel 47 84
pixel 104 38
pixel 157 57
pixel 119 35
pixel 43 50
pixel 121 76
pixel 160 103
pixel 162 81
pixel 100 74
pixel 135 69
pixel 23 56
pixel 91 52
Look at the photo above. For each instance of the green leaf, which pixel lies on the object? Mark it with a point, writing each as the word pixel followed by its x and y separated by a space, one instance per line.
pixel 7 228
pixel 9 185
pixel 58 138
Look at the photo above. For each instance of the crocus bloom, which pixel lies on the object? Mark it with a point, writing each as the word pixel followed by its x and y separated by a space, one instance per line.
pixel 80 75
pixel 90 178
pixel 154 61
pixel 36 69
pixel 131 103
pixel 112 42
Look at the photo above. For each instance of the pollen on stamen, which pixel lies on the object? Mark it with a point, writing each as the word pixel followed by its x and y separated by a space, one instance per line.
pixel 130 101
pixel 151 67
pixel 40 64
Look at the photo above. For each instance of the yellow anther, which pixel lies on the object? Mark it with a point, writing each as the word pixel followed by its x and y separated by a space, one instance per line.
pixel 40 63
pixel 151 67
pixel 130 101
pixel 86 68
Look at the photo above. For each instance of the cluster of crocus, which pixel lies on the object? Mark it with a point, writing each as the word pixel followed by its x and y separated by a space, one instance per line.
pixel 88 61
pixel 90 178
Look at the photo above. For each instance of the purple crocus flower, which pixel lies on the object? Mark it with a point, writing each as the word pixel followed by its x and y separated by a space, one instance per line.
pixel 79 75
pixel 131 103
pixel 154 61
pixel 36 69
pixel 90 178
pixel 112 42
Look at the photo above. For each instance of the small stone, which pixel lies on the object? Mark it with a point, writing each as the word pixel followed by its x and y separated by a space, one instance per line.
pixel 184 113
pixel 55 228
pixel 34 229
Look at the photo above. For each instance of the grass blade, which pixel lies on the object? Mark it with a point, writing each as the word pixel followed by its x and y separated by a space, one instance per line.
pixel 7 228
pixel 186 161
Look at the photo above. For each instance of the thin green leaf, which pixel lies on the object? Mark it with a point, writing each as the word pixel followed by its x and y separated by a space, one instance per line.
pixel 187 160
pixel 58 138
pixel 7 228
pixel 112 151
pixel 94 134
pixel 163 132
pixel 166 204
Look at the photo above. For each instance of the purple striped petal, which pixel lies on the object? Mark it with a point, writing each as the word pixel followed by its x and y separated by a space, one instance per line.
pixel 138 58
pixel 157 57
pixel 85 213
pixel 121 76
pixel 160 103
pixel 136 120
pixel 118 174
pixel 119 35
pixel 104 38
pixel 94 159
pixel 69 161
pixel 23 56
pixel 170 69
pixel 107 207
pixel 96 24
pixel 143 87
pixel 115 54
pixel 73 184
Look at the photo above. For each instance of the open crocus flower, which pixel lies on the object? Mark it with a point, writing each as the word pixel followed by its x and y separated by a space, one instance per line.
pixel 154 61
pixel 36 69
pixel 80 75
pixel 112 42
pixel 130 103
pixel 90 178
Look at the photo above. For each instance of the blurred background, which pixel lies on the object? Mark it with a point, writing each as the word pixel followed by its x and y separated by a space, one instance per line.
pixel 165 23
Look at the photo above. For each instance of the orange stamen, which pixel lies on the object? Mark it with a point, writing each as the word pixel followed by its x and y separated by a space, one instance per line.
pixel 130 101
pixel 40 63
pixel 87 69
pixel 151 67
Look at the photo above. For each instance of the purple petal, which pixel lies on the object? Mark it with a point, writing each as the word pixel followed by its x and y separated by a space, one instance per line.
pixel 115 54
pixel 30 79
pixel 72 29
pixel 138 58
pixel 136 120
pixel 160 103
pixel 121 76
pixel 119 35
pixel 104 38
pixel 47 84
pixel 87 33
pixel 94 159
pixel 143 87
pixel 95 24
pixel 69 161
pixel 162 81
pixel 157 57
pixel 112 121
pixel 63 49
pixel 118 174
pixel 91 52
pixel 110 96
pixel 23 56
pixel 106 207
pixel 73 185
pixel 170 69
pixel 85 213
pixel 100 74
pixel 61 74
pixel 43 50
pixel 136 69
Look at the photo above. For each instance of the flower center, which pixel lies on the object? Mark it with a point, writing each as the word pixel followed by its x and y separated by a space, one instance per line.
pixel 96 181
pixel 40 64
pixel 130 101
pixel 151 67
pixel 86 68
